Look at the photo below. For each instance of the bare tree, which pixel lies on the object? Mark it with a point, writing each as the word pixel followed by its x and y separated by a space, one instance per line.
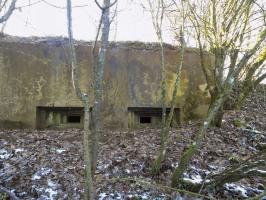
pixel 254 74
pixel 98 72
pixel 224 32
pixel 229 35
pixel 90 139
pixel 158 10
pixel 87 136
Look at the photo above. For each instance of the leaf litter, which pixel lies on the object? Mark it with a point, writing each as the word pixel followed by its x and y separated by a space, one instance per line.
pixel 48 164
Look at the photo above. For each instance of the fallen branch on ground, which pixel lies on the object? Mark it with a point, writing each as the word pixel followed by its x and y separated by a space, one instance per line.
pixel 161 187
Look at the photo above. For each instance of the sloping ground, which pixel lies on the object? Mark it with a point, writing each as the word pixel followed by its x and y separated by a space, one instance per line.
pixel 48 164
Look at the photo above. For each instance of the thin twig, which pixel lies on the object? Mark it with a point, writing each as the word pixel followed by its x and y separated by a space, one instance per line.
pixel 62 7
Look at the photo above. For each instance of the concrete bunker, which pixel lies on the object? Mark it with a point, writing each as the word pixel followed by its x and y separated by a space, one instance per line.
pixel 37 92
pixel 150 117
pixel 59 117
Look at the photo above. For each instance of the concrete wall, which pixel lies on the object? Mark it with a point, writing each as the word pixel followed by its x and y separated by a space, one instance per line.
pixel 37 73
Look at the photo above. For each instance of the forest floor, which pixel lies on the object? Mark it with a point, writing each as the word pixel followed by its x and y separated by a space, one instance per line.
pixel 49 164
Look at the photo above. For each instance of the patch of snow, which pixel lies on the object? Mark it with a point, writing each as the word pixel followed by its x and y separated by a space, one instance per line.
pixel 194 168
pixel 261 171
pixel 119 159
pixel 21 195
pixel 252 148
pixel 36 177
pixel 112 196
pixel 51 194
pixel 102 196
pixel 119 196
pixel 214 169
pixel 42 172
pixel 59 151
pixel 102 167
pixel 231 187
pixel 196 179
pixel 145 195
pixel 18 150
pixel 141 166
pixel 52 184
pixel 4 155
pixel 231 80
pixel 160 197
pixel 174 165
pixel 252 131
pixel 194 175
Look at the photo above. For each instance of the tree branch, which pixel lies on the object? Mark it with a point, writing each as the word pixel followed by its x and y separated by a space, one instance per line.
pixel 105 7
pixel 10 10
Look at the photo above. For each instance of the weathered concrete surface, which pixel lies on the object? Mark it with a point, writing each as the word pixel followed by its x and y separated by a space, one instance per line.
pixel 37 73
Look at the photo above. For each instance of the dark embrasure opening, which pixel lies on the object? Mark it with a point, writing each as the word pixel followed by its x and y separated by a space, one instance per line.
pixel 144 120
pixel 73 119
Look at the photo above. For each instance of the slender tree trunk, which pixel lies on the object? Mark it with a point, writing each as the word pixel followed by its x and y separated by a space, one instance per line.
pixel 217 120
pixel 88 144
pixel 163 85
pixel 98 81
pixel 87 135
pixel 192 148
pixel 163 136
pixel 165 129
pixel 218 116
pixel 219 68
pixel 157 10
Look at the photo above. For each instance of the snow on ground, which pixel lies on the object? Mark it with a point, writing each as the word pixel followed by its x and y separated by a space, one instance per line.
pixel 19 150
pixel 40 173
pixel 241 191
pixel 4 154
pixel 49 164
pixel 60 151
